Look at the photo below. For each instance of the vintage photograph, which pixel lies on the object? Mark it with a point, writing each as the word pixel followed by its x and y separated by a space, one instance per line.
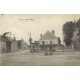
pixel 39 39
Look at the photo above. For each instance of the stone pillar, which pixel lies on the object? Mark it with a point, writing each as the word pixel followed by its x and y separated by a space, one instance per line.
pixel 72 47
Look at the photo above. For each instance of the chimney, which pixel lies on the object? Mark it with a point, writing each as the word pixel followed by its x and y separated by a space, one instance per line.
pixel 53 32
pixel 41 35
pixel 14 38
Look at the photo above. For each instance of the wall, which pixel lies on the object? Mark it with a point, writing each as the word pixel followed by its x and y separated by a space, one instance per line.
pixel 2 46
pixel 14 46
pixel 24 46
pixel 47 42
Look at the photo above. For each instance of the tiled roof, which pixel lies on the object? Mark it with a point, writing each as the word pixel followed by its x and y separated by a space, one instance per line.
pixel 48 35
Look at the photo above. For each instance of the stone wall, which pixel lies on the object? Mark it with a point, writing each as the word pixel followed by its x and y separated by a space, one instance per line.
pixel 2 46
pixel 14 46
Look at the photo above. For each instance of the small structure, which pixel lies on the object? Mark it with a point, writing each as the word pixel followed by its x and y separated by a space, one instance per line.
pixel 22 45
pixel 35 46
pixel 48 40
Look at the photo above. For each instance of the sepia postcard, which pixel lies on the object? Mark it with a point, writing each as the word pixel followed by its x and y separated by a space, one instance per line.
pixel 39 39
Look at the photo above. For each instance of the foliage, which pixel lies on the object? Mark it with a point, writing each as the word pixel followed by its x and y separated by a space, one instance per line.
pixel 78 26
pixel 68 29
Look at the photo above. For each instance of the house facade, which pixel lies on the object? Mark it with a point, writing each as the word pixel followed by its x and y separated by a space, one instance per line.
pixel 48 40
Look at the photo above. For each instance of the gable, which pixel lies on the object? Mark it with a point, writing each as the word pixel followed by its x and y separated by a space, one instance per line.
pixel 47 36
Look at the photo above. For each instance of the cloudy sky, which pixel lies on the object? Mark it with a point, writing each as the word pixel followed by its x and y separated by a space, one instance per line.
pixel 22 24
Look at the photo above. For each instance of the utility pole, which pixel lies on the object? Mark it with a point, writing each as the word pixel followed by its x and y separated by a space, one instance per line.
pixel 30 42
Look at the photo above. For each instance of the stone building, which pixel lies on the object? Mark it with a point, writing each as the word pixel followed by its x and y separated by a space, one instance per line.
pixel 48 40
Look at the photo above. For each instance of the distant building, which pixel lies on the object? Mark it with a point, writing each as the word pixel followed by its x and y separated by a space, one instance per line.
pixel 48 40
pixel 7 44
pixel 8 41
pixel 22 45
pixel 35 46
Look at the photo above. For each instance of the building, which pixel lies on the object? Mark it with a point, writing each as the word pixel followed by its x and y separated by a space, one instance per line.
pixel 14 46
pixel 48 40
pixel 35 46
pixel 22 45
pixel 8 44
pixel 8 41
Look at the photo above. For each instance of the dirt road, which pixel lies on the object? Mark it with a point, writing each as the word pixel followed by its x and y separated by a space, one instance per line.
pixel 25 58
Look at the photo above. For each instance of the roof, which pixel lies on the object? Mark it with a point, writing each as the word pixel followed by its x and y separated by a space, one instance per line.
pixel 48 35
pixel 8 39
pixel 5 38
pixel 19 41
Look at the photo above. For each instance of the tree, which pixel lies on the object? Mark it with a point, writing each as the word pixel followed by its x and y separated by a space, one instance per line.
pixel 78 26
pixel 68 29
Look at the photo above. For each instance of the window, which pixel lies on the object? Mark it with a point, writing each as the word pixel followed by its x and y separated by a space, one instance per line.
pixel 42 42
pixel 19 45
pixel 50 42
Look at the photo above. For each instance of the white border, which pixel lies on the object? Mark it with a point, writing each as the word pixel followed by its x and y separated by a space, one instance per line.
pixel 40 7
pixel 40 73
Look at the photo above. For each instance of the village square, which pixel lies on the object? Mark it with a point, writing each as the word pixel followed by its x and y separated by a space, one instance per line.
pixel 49 50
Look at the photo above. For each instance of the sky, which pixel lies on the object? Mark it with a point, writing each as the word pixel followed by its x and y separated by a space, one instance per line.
pixel 20 25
